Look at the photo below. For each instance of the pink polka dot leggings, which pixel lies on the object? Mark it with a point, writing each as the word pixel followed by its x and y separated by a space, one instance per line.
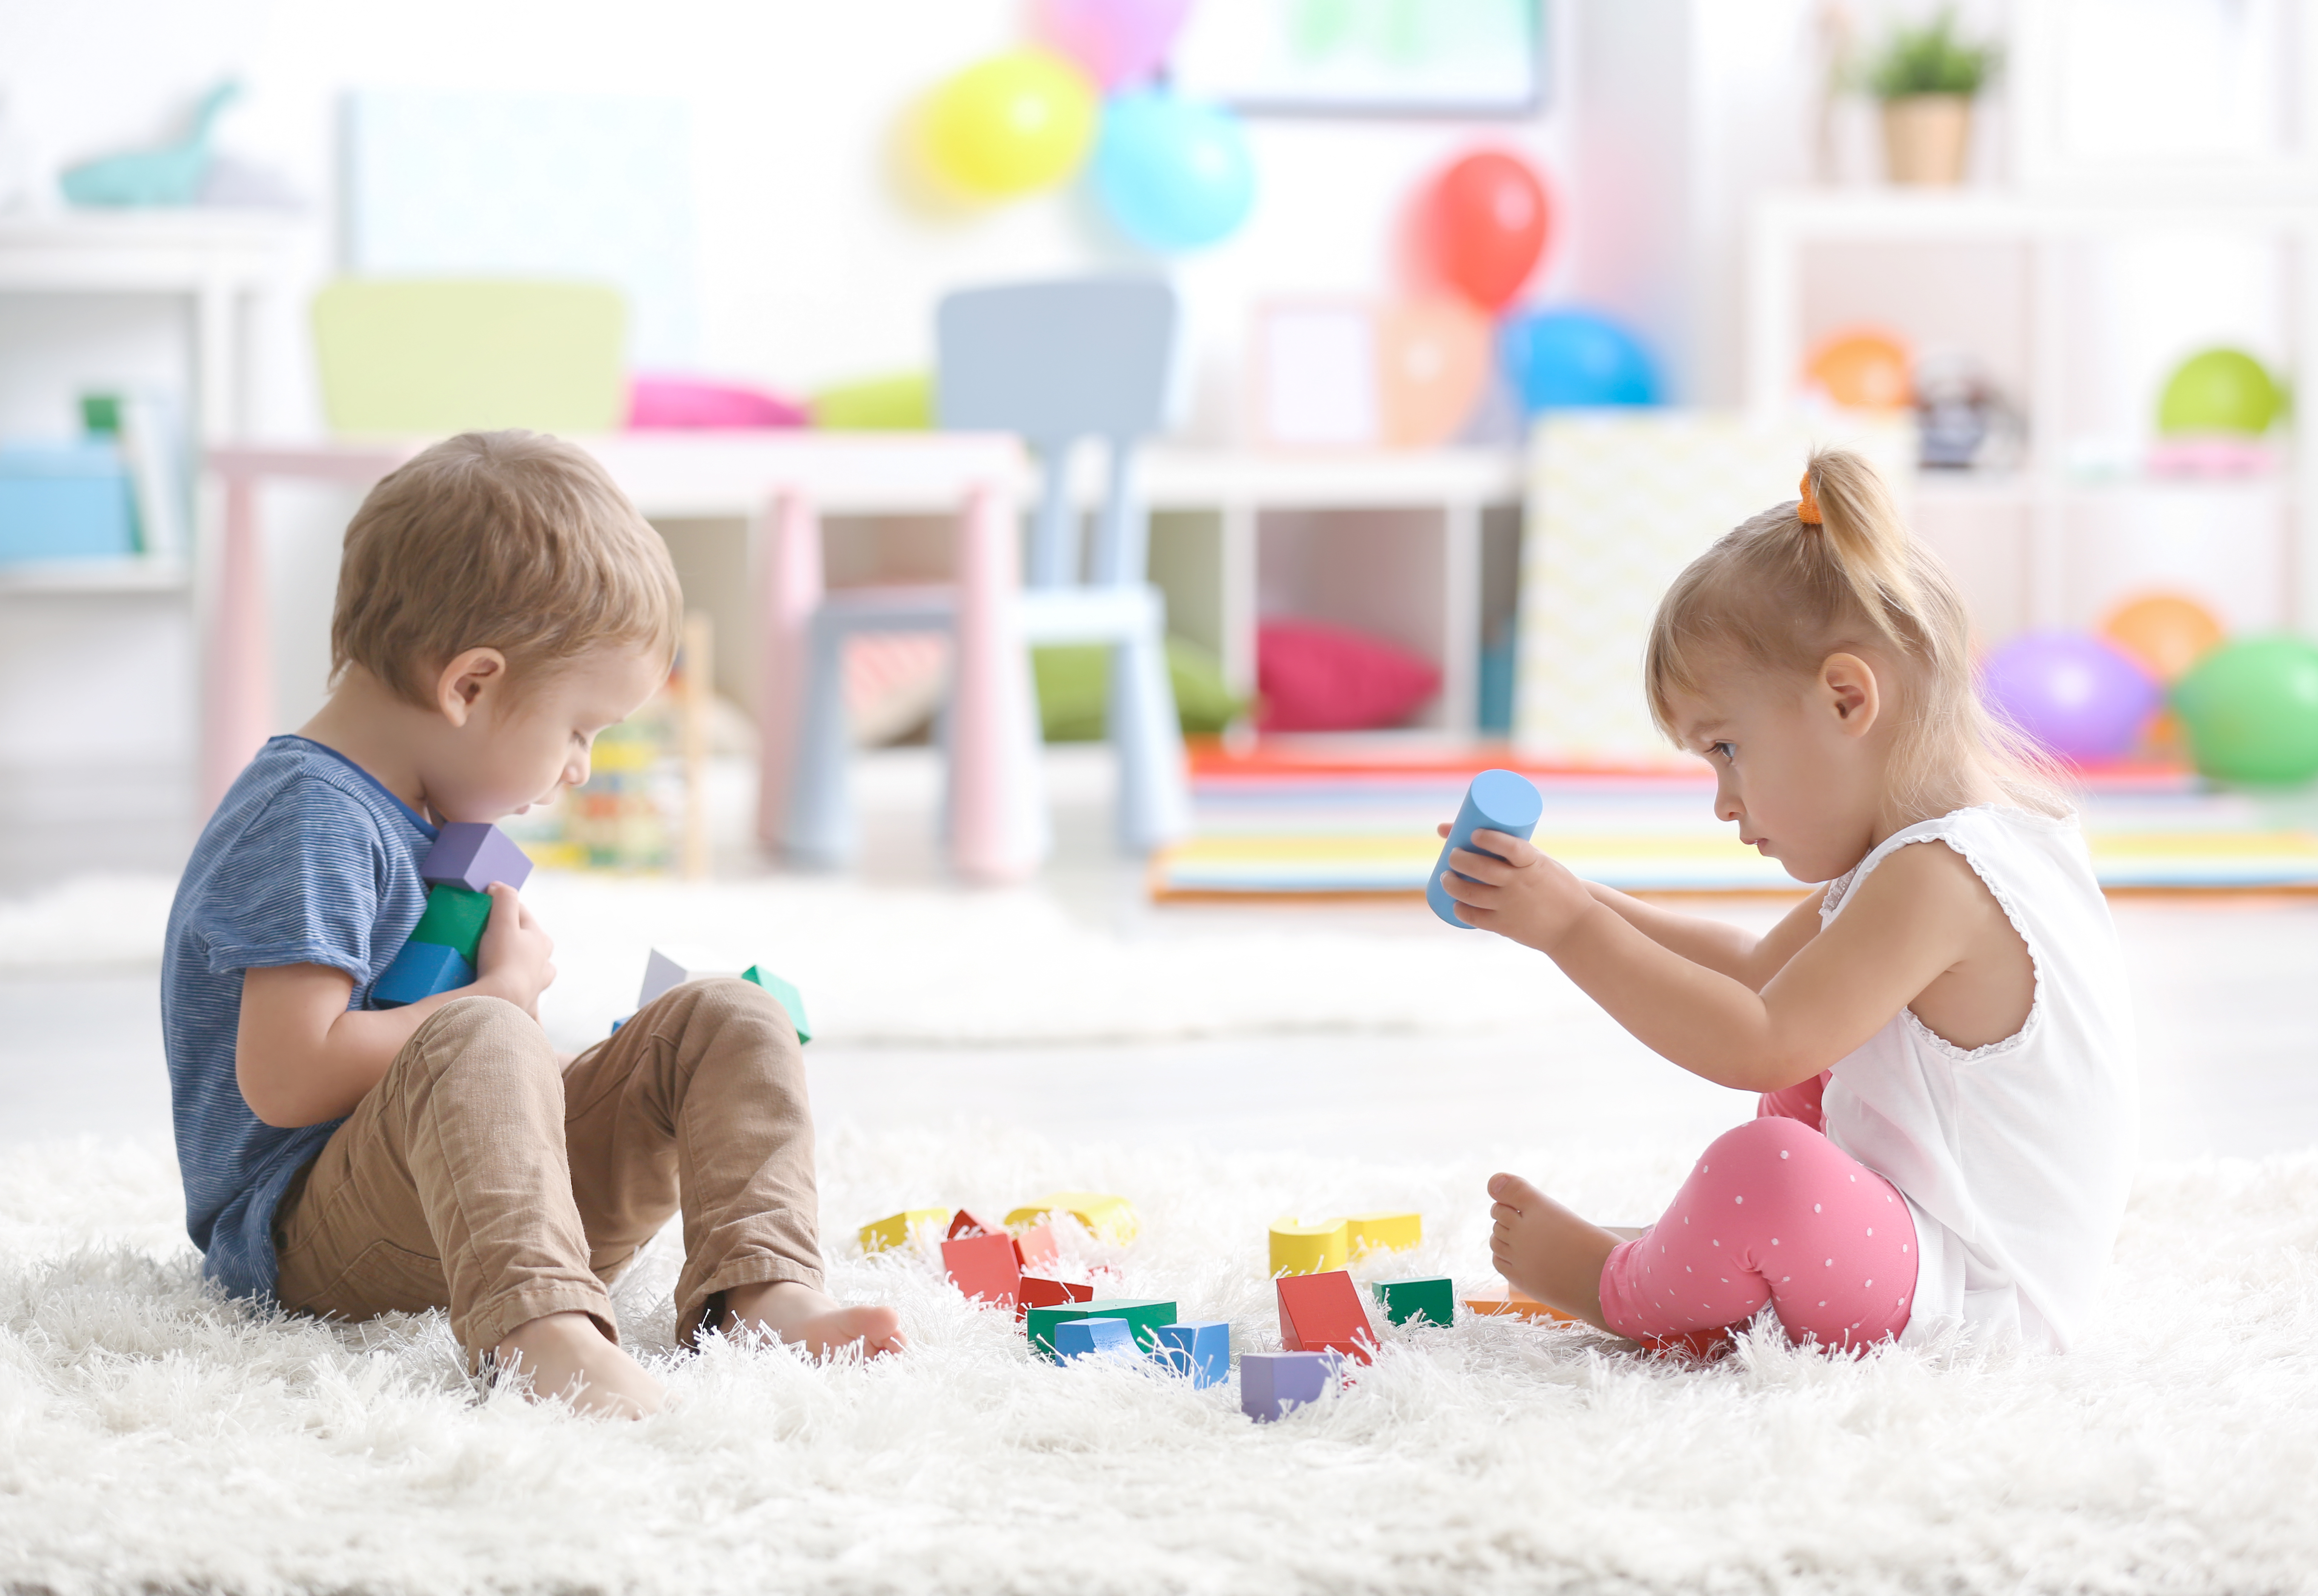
pixel 1772 1212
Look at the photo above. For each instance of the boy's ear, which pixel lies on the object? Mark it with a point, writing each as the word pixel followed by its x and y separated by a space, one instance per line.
pixel 1847 687
pixel 465 678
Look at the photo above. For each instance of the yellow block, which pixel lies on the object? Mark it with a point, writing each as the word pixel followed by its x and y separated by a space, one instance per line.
pixel 1301 1249
pixel 1391 1233
pixel 893 1231
pixel 1110 1218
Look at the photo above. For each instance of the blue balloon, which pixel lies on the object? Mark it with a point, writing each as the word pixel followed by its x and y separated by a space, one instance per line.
pixel 1173 173
pixel 1570 359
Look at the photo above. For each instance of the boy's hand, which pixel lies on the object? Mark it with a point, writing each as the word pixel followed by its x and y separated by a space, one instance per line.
pixel 513 959
pixel 1523 894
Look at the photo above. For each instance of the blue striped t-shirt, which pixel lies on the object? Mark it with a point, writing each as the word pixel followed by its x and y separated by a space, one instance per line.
pixel 306 861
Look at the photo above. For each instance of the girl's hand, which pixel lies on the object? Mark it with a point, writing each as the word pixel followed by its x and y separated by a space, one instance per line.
pixel 515 956
pixel 1523 894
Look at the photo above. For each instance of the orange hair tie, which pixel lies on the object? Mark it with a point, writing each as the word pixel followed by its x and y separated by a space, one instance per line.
pixel 1807 512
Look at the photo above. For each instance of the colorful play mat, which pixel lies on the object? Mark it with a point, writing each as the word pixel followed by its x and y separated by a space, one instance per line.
pixel 1332 820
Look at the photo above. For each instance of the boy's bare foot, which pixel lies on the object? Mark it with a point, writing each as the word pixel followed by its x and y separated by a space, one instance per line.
pixel 1547 1250
pixel 796 1312
pixel 565 1355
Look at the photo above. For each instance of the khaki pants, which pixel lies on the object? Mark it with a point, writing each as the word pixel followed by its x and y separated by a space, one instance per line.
pixel 479 1177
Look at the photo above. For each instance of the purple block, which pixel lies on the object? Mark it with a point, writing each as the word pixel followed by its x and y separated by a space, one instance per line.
pixel 473 854
pixel 1270 1381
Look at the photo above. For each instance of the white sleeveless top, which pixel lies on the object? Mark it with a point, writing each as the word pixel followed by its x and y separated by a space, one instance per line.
pixel 2015 1158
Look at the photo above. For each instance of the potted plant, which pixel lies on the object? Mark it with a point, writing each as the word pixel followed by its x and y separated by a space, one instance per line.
pixel 1927 77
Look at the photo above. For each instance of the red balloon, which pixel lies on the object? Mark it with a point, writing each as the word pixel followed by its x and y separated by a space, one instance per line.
pixel 1489 224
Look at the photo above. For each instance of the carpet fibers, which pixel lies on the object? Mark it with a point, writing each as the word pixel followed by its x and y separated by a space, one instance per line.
pixel 154 1437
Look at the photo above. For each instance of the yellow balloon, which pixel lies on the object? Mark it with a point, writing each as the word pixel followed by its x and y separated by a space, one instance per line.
pixel 1011 124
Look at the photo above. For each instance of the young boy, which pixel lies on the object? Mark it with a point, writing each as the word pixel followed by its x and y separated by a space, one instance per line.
pixel 499 604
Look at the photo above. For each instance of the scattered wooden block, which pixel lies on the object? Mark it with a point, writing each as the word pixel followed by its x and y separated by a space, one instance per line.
pixel 473 854
pixel 790 1000
pixel 893 1230
pixel 1392 1233
pixel 1143 1315
pixel 967 1223
pixel 1037 1291
pixel 1109 1216
pixel 1274 1385
pixel 985 1268
pixel 1201 1351
pixel 1518 1304
pixel 1097 1335
pixel 1301 1249
pixel 1323 1313
pixel 421 971
pixel 1034 1244
pixel 1434 1302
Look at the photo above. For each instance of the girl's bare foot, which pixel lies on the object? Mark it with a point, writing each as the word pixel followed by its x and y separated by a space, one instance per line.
pixel 797 1313
pixel 1547 1250
pixel 565 1355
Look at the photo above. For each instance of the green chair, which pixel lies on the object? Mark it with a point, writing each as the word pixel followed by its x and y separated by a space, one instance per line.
pixel 406 357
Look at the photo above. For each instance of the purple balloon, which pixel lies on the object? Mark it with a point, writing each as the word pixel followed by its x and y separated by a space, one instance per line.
pixel 1117 42
pixel 2079 697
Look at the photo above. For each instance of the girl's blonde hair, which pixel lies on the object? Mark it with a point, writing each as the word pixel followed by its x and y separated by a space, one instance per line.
pixel 1780 592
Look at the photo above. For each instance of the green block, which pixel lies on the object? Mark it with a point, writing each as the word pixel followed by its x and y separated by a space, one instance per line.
pixel 1144 1316
pixel 454 918
pixel 1432 1301
pixel 788 996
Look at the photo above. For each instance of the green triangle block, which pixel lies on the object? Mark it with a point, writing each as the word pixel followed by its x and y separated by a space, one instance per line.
pixel 788 997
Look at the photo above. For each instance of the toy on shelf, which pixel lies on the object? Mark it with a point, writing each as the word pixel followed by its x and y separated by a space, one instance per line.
pixel 1096 1336
pixel 1323 1313
pixel 1497 801
pixel 1861 368
pixel 1145 1316
pixel 1112 1218
pixel 467 858
pixel 1432 1301
pixel 1274 1385
pixel 172 175
pixel 1567 358
pixel 1301 1249
pixel 2216 408
pixel 1201 1351
pixel 895 1229
pixel 1513 1302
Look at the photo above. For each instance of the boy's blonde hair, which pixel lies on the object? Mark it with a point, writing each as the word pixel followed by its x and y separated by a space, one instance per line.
pixel 1782 593
pixel 512 541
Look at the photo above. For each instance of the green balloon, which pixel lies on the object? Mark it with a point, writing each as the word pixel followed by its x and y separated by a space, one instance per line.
pixel 2251 708
pixel 2219 390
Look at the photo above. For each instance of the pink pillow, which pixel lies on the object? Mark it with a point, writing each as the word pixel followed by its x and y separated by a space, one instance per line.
pixel 1317 677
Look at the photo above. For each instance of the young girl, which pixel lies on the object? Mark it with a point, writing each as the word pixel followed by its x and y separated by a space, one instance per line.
pixel 1941 1035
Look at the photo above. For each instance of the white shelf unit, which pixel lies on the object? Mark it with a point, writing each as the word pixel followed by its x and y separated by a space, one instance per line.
pixel 2044 224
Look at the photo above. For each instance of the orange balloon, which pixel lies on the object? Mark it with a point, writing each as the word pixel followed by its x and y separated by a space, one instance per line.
pixel 1433 361
pixel 1863 368
pixel 2164 631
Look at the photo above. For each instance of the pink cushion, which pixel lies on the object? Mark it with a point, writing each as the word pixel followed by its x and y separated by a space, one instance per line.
pixel 1317 677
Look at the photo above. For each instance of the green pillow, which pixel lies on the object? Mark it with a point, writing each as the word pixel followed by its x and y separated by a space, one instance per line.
pixel 1074 687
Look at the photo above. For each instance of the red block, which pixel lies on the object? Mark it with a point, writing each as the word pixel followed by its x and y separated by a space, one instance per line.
pixel 1323 1313
pixel 966 1223
pixel 1034 1244
pixel 1037 1293
pixel 984 1267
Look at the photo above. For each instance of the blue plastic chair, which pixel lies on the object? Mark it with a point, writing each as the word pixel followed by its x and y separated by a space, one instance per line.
pixel 1054 361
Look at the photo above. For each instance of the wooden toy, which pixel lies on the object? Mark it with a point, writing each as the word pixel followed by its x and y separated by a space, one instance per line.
pixel 1110 1218
pixel 1096 1336
pixel 662 974
pixel 1434 1302
pixel 1274 1385
pixel 1389 1233
pixel 1513 1304
pixel 439 958
pixel 1323 1313
pixel 1202 1351
pixel 1497 801
pixel 965 1222
pixel 1034 1244
pixel 893 1230
pixel 1037 1291
pixel 1301 1249
pixel 790 1000
pixel 984 1267
pixel 1144 1315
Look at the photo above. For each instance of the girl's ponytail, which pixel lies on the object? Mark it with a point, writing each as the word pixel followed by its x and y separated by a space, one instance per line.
pixel 1866 540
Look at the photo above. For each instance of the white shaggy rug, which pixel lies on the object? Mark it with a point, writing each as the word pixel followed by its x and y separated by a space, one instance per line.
pixel 929 965
pixel 154 1438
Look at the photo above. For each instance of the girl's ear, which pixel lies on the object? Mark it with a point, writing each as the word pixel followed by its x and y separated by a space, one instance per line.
pixel 464 679
pixel 1848 688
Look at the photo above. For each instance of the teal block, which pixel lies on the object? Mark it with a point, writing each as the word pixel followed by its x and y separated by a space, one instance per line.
pixel 1432 1301
pixel 788 996
pixel 1144 1316
pixel 454 918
